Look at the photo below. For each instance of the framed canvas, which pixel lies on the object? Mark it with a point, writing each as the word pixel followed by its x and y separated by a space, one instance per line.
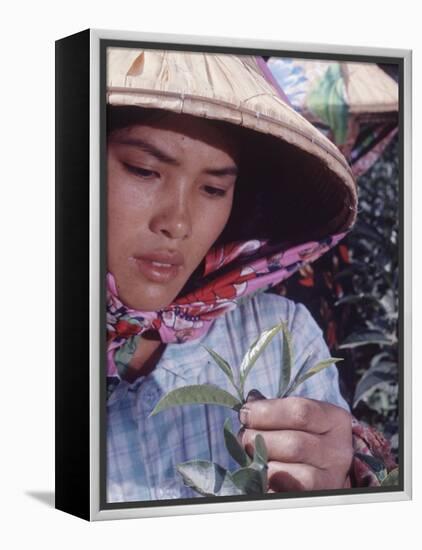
pixel 233 303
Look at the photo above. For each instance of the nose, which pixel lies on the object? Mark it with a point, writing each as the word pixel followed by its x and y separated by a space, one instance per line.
pixel 172 217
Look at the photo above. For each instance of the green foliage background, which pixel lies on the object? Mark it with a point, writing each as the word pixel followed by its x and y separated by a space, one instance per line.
pixel 354 295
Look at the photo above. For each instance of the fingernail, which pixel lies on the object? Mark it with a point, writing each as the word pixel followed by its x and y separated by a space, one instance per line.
pixel 244 415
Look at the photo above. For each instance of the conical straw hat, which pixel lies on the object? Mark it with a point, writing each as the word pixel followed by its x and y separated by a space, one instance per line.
pixel 234 89
pixel 369 89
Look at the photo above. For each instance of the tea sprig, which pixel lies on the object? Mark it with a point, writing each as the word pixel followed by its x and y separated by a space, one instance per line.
pixel 211 394
pixel 209 478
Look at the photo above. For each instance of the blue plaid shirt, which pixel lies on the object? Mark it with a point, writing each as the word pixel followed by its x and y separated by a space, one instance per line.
pixel 143 451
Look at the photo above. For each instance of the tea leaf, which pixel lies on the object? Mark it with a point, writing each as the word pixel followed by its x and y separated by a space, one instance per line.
pixel 260 452
pixel 314 370
pixel 287 363
pixel 356 299
pixel 383 373
pixel 225 367
pixel 391 479
pixel 363 338
pixel 234 447
pixel 294 382
pixel 378 358
pixel 200 393
pixel 222 363
pixel 207 478
pixel 260 459
pixel 255 351
pixel 363 228
pixel 248 480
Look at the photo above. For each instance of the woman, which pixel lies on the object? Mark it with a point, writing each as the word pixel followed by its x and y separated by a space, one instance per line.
pixel 217 190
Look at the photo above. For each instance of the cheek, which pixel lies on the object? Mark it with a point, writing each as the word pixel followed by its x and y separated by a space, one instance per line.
pixel 211 222
pixel 121 223
pixel 223 213
pixel 127 210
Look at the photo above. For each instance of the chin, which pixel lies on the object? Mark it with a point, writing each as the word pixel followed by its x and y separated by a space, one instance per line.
pixel 143 295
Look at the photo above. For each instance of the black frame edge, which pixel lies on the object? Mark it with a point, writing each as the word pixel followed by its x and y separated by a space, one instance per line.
pixel 72 334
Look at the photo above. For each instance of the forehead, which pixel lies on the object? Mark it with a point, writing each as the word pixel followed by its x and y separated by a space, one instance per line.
pixel 181 133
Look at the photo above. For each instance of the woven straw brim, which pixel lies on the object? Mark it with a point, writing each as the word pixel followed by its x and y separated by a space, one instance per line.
pixel 233 89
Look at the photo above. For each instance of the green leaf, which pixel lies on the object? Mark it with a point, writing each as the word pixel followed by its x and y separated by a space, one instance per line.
pixel 364 338
pixel 356 299
pixel 260 453
pixel 287 362
pixel 222 363
pixel 379 357
pixel 382 373
pixel 207 478
pixel 314 370
pixel 234 447
pixel 356 267
pixel 362 228
pixel 255 351
pixel 293 384
pixel 201 393
pixel 248 480
pixel 391 479
pixel 260 460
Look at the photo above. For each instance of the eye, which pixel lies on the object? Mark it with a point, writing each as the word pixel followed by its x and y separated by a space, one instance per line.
pixel 140 172
pixel 214 191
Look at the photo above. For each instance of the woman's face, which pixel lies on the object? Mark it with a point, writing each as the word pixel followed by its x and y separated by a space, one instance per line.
pixel 170 193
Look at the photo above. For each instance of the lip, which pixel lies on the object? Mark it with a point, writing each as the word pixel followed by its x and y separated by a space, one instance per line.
pixel 160 266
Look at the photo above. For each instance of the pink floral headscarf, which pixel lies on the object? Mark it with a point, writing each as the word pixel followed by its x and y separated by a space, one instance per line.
pixel 257 266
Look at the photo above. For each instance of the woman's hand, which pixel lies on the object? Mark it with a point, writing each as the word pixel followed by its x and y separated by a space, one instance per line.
pixel 309 442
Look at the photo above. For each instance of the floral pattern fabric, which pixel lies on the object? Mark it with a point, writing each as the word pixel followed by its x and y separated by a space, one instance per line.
pixel 373 458
pixel 260 266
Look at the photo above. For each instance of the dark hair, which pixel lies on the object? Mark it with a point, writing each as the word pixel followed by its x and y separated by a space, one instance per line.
pixel 119 117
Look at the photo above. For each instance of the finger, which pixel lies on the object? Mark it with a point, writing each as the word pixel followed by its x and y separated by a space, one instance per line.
pixel 289 446
pixel 298 477
pixel 294 413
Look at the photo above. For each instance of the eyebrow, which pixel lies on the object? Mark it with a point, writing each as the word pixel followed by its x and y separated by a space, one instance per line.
pixel 164 157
